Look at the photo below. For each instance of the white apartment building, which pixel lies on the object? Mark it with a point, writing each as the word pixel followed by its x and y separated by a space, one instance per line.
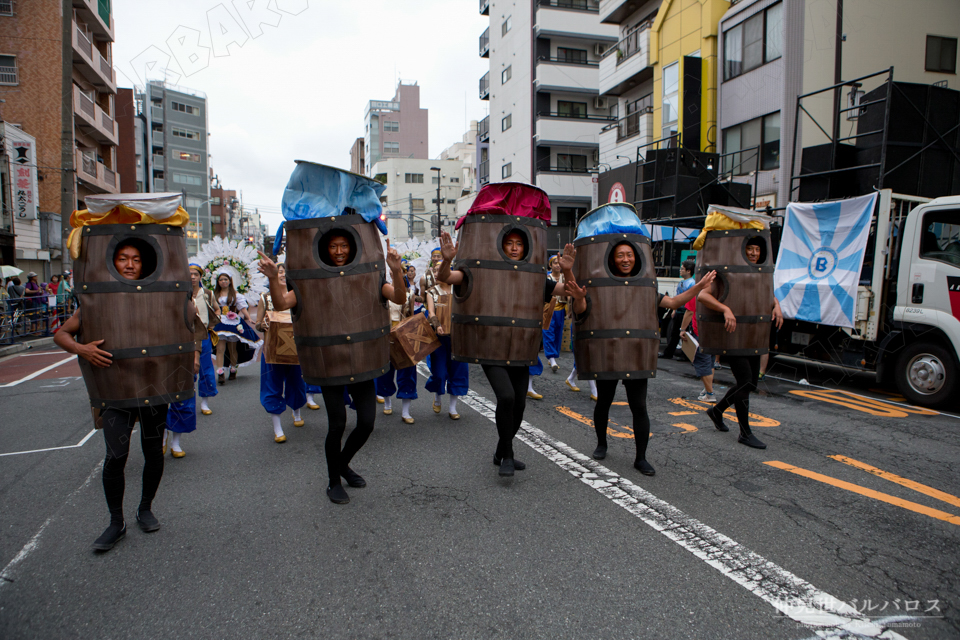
pixel 466 152
pixel 410 199
pixel 546 112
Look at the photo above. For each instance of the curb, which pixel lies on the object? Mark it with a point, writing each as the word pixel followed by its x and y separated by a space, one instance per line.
pixel 26 346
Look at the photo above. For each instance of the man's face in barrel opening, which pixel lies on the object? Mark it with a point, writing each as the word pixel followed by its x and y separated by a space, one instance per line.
pixel 753 253
pixel 513 246
pixel 624 258
pixel 339 250
pixel 127 262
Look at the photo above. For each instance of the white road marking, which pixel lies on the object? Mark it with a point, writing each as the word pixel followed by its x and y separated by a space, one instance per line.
pixel 791 595
pixel 6 576
pixel 71 446
pixel 37 373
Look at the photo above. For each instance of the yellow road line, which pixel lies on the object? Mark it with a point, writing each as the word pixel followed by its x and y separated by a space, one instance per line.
pixel 756 420
pixel 870 493
pixel 866 405
pixel 570 413
pixel 683 413
pixel 910 484
pixel 689 428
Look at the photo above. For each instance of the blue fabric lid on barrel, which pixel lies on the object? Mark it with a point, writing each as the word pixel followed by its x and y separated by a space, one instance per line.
pixel 320 191
pixel 616 217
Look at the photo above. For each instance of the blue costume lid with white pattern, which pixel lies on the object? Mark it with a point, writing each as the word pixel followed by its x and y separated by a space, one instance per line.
pixel 320 191
pixel 616 217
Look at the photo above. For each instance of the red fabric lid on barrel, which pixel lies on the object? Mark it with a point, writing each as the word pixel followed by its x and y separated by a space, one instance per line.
pixel 511 199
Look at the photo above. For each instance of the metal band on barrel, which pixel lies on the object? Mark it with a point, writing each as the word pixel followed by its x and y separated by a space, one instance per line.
pixel 325 224
pixel 344 380
pixel 503 218
pixel 498 363
pixel 318 274
pixel 131 286
pixel 734 352
pixel 738 233
pixel 605 334
pixel 496 321
pixel 704 269
pixel 620 375
pixel 153 352
pixel 499 265
pixel 621 282
pixel 147 401
pixel 345 338
pixel 718 317
pixel 132 230
pixel 612 237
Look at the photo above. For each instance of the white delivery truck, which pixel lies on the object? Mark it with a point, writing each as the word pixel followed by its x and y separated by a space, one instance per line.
pixel 907 324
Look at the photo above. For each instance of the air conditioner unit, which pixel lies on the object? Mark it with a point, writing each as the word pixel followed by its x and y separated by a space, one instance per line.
pixel 601 102
pixel 600 48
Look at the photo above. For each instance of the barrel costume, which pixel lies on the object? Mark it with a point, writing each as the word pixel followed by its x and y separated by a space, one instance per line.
pixel 341 322
pixel 447 376
pixel 498 308
pixel 617 337
pixel 152 363
pixel 746 288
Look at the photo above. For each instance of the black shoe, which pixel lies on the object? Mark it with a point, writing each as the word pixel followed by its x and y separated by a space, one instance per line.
pixel 517 465
pixel 110 536
pixel 751 441
pixel 353 478
pixel 664 356
pixel 221 378
pixel 233 374
pixel 600 452
pixel 717 419
pixel 147 521
pixel 338 494
pixel 644 467
pixel 506 467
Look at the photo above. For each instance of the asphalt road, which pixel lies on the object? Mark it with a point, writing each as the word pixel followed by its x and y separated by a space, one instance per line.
pixel 724 542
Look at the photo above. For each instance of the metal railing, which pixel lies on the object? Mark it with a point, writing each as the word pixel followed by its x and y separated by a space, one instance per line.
pixel 33 317
pixel 578 5
pixel 88 165
pixel 109 176
pixel 106 121
pixel 86 105
pixel 483 172
pixel 630 44
pixel 484 7
pixel 485 86
pixel 105 67
pixel 565 60
pixel 84 44
pixel 575 116
pixel 8 75
pixel 485 43
pixel 483 129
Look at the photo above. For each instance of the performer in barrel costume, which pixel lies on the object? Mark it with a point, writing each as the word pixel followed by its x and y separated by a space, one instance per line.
pixel 336 268
pixel 137 347
pixel 615 309
pixel 734 314
pixel 500 286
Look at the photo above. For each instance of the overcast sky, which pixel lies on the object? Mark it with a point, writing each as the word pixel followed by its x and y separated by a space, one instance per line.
pixel 298 90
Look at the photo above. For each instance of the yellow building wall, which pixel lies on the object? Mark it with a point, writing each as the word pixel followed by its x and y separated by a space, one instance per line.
pixel 683 27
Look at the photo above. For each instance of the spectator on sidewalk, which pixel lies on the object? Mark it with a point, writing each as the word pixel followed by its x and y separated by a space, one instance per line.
pixel 676 317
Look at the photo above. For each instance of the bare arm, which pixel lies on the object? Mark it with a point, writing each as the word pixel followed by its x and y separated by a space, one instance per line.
pixel 710 302
pixel 566 268
pixel 396 292
pixel 579 295
pixel 678 301
pixel 777 314
pixel 449 251
pixel 687 319
pixel 65 339
pixel 282 299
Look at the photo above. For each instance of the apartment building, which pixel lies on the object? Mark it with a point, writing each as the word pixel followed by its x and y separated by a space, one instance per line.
pixel 465 151
pixel 357 158
pixel 546 112
pixel 394 128
pixel 223 204
pixel 176 118
pixel 410 199
pixel 31 87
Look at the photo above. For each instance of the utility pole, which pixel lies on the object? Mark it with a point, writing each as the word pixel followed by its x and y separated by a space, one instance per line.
pixel 68 182
pixel 410 220
pixel 437 169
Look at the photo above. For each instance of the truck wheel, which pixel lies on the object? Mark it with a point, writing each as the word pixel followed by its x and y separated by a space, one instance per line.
pixel 926 374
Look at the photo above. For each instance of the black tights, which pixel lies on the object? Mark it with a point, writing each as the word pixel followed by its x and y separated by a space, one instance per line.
pixel 636 398
pixel 510 387
pixel 365 399
pixel 746 370
pixel 117 428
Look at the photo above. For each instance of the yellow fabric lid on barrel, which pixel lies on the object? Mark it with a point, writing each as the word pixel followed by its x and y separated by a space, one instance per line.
pixel 127 208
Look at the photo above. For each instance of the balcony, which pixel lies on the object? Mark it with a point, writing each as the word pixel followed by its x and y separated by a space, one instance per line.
pixel 563 74
pixel 93 120
pixel 483 172
pixel 624 138
pixel 485 86
pixel 159 186
pixel 567 185
pixel 91 64
pixel 483 130
pixel 156 114
pixel 627 65
pixel 157 161
pixel 484 7
pixel 157 138
pixel 616 11
pixel 97 15
pixel 485 43
pixel 563 18
pixel 590 6
pixel 569 131
pixel 95 175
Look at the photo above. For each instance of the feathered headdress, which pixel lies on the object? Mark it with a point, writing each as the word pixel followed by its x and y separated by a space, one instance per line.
pixel 237 260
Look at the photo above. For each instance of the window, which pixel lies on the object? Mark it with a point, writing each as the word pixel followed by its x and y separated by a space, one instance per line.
pixel 391 147
pixel 941 237
pixel 572 163
pixel 567 109
pixel 436 180
pixel 506 171
pixel 671 97
pixel 417 226
pixel 506 74
pixel 755 41
pixel 215 219
pixel 185 108
pixel 451 201
pixel 8 70
pixel 183 178
pixel 505 27
pixel 6 8
pixel 193 202
pixel 390 125
pixel 187 156
pixel 417 204
pixel 941 55
pixel 189 134
pixel 760 132
pixel 573 56
pixel 413 178
pixel 507 122
pixel 455 180
pixel 381 178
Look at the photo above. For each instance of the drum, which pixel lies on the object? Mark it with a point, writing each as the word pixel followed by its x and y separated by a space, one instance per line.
pixel 412 340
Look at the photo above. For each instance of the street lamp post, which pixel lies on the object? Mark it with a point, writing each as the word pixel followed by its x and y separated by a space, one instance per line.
pixel 198 222
pixel 437 169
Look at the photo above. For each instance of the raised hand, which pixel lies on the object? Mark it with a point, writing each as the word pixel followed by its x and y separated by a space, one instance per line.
pixel 448 249
pixel 706 281
pixel 393 259
pixel 575 291
pixel 566 260
pixel 267 266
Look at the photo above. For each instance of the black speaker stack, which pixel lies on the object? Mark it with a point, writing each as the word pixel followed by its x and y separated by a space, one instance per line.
pixel 682 183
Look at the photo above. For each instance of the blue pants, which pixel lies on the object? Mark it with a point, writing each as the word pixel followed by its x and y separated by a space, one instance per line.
pixel 314 390
pixel 281 386
pixel 447 375
pixel 182 416
pixel 553 336
pixel 537 369
pixel 406 381
pixel 207 385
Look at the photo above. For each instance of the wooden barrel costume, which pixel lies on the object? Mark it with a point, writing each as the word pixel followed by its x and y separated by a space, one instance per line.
pixel 341 323
pixel 146 324
pixel 620 338
pixel 497 311
pixel 745 287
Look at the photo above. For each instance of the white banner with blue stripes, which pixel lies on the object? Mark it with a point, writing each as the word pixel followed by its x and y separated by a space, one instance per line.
pixel 821 253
